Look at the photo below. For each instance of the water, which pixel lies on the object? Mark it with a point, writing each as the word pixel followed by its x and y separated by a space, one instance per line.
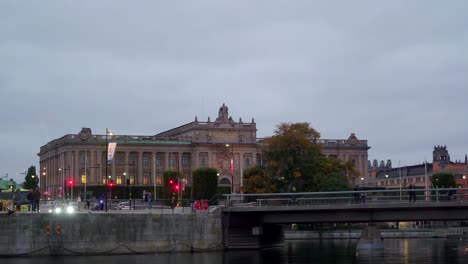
pixel 412 251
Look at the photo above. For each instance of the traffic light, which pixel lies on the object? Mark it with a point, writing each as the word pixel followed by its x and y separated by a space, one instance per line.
pixel 70 182
pixel 111 184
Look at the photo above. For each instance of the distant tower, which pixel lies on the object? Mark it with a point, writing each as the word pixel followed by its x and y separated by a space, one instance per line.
pixel 440 154
pixel 382 164
pixel 389 164
pixel 375 164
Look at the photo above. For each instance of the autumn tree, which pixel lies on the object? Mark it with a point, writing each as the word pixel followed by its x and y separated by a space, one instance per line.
pixel 295 162
pixel 256 180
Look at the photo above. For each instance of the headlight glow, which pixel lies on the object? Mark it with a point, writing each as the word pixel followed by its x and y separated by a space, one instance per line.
pixel 70 209
pixel 58 210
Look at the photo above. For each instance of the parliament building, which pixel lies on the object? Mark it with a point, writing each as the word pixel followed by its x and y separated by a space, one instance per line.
pixel 224 144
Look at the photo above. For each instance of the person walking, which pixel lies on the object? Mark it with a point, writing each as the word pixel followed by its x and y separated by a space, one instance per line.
pixel 31 201
pixel 37 199
pixel 150 200
pixel 412 193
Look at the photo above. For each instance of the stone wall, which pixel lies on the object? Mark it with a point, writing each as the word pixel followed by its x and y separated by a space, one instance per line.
pixel 108 233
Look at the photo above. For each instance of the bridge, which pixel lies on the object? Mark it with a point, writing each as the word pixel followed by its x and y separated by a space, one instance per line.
pixel 255 220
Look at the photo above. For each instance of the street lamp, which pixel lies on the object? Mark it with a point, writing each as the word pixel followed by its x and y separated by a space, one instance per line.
pixel 134 180
pixel 232 166
pixel 62 170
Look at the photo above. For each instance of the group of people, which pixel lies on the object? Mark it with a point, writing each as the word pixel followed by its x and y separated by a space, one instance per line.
pixel 34 197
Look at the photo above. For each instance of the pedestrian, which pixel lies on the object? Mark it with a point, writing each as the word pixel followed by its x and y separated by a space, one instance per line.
pixel 88 204
pixel 173 202
pixel 37 199
pixel 145 197
pixel 31 201
pixel 150 200
pixel 412 193
pixel 356 194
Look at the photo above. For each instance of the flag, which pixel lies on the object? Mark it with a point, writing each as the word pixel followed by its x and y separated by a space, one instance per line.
pixel 110 152
pixel 232 167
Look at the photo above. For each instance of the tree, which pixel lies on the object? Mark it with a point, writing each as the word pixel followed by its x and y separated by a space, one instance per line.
pixel 295 162
pixel 31 180
pixel 169 190
pixel 443 180
pixel 205 183
pixel 256 180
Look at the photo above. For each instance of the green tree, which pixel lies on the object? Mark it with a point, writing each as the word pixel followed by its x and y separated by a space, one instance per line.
pixel 205 183
pixel 443 180
pixel 256 180
pixel 295 162
pixel 31 180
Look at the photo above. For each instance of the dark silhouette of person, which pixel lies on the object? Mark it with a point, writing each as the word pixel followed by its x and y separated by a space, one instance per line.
pixel 412 193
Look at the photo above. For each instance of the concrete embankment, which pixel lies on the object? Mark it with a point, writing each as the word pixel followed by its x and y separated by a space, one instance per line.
pixel 108 233
pixel 385 233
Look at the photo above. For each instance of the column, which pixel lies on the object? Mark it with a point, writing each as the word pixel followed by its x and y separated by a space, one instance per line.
pixel 126 162
pixel 153 173
pixel 99 161
pixel 140 167
pixel 92 171
pixel 167 165
pixel 179 163
pixel 76 172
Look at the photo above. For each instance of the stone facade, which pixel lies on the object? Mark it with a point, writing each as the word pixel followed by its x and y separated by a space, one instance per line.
pixel 384 175
pixel 143 159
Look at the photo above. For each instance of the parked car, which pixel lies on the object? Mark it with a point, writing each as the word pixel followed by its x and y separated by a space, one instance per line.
pixel 122 206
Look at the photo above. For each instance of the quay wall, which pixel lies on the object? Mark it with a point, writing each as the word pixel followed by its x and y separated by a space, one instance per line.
pixel 385 233
pixel 110 233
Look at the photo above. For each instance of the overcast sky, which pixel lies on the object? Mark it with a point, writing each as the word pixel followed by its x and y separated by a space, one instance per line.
pixel 393 72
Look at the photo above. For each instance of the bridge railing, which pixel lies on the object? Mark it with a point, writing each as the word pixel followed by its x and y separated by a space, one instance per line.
pixel 348 197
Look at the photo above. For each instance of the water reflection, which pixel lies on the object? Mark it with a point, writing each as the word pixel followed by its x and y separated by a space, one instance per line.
pixel 416 251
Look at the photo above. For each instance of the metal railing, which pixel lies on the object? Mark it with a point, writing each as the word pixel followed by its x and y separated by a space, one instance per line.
pixel 348 197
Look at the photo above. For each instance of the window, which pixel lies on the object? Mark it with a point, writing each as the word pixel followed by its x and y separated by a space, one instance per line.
pixel 132 159
pixel 145 179
pixel 247 162
pixel 158 161
pixel 353 162
pixel 104 180
pixel 83 158
pixel 184 162
pixel 83 179
pixel 203 162
pixel 119 180
pixel 159 180
pixel 145 161
pixel 172 162
pixel 119 160
pixel 132 180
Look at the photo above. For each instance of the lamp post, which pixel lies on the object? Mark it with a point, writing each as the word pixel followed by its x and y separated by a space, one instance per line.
pixel 464 183
pixel 231 166
pixel 399 175
pixel 108 133
pixel 134 178
pixel 63 179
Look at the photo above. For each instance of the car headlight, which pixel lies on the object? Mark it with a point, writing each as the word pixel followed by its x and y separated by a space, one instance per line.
pixel 58 210
pixel 70 209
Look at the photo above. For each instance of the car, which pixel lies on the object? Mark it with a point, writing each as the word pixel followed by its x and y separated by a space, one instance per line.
pixel 122 206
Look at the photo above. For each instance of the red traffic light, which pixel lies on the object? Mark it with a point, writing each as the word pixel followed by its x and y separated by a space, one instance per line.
pixel 176 187
pixel 70 182
pixel 111 184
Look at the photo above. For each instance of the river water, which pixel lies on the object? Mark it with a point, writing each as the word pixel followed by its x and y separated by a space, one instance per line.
pixel 412 251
